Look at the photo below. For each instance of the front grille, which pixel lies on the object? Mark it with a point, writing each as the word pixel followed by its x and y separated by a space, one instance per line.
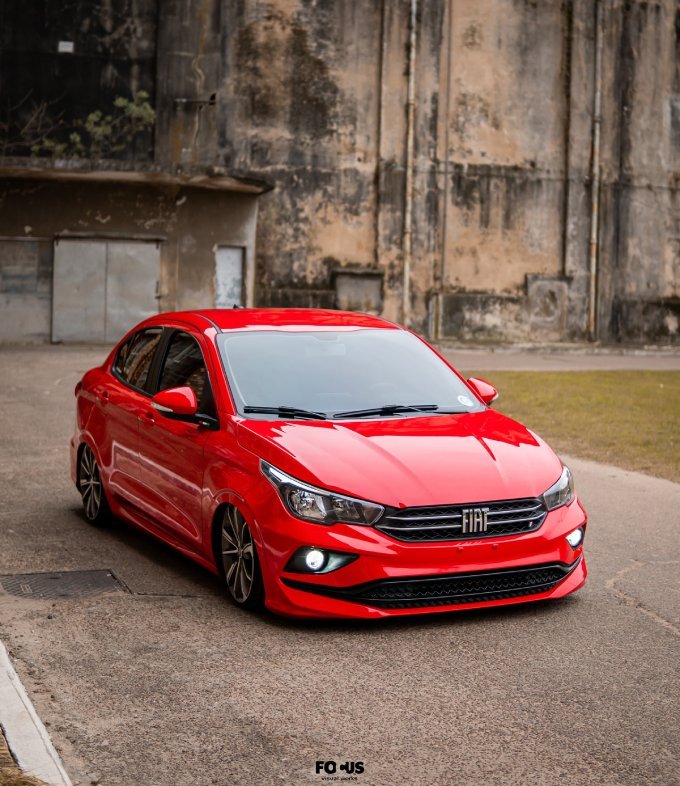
pixel 446 522
pixel 448 590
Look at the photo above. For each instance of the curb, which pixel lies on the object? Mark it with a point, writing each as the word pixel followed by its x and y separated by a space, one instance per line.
pixel 25 733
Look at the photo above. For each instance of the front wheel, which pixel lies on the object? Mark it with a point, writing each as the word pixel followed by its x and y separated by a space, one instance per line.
pixel 238 561
pixel 91 489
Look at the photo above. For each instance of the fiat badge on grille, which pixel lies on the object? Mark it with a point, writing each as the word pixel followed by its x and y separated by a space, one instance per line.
pixel 474 520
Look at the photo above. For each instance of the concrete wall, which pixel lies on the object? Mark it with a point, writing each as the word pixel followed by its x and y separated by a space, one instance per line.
pixel 311 96
pixel 504 191
pixel 300 97
pixel 188 223
pixel 640 282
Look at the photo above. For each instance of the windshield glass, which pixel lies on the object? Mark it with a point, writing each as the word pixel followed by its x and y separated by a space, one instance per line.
pixel 336 372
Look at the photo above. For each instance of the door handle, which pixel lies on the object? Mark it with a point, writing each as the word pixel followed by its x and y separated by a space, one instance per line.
pixel 103 395
pixel 147 418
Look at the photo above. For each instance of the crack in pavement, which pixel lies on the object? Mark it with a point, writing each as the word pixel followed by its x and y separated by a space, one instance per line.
pixel 632 602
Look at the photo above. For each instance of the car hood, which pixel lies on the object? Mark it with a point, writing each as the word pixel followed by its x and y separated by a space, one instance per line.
pixel 405 462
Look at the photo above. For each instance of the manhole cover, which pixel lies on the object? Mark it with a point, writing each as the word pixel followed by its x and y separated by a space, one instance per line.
pixel 67 584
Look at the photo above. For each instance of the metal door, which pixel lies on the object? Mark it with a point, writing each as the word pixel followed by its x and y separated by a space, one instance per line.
pixel 131 285
pixel 102 288
pixel 229 276
pixel 78 290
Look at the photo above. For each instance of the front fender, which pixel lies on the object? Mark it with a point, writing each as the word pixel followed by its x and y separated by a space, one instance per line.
pixel 231 497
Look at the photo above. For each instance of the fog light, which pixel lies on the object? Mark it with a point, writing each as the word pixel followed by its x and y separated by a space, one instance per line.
pixel 314 559
pixel 575 538
pixel 310 559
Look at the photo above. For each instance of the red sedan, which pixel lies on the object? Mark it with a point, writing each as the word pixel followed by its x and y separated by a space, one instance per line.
pixel 324 464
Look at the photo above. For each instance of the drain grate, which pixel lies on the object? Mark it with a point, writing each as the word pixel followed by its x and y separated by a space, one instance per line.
pixel 67 584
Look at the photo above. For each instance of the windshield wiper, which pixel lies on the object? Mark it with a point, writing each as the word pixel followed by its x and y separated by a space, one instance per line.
pixel 387 409
pixel 287 412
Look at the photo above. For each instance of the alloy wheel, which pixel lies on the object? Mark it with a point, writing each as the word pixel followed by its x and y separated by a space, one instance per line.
pixel 90 484
pixel 238 555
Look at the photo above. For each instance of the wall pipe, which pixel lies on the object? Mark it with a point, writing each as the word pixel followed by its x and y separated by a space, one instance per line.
pixel 379 135
pixel 441 284
pixel 595 178
pixel 407 239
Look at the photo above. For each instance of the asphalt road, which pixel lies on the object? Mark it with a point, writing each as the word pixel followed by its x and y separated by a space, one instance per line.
pixel 170 685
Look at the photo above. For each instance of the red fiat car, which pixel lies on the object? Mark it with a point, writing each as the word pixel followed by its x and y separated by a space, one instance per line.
pixel 324 464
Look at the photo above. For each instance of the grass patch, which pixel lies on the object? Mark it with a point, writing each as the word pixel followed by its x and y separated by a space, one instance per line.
pixel 627 418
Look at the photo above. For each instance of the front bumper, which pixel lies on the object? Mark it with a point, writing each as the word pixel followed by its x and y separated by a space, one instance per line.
pixel 454 589
pixel 393 578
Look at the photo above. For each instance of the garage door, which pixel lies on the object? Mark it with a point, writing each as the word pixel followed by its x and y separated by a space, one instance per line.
pixel 102 288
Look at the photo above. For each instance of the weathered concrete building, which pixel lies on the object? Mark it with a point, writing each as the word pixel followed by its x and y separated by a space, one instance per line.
pixel 480 169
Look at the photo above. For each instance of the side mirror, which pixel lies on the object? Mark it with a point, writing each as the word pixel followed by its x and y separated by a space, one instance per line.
pixel 176 403
pixel 483 389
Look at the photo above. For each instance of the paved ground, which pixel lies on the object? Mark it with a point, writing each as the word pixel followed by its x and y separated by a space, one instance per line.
pixel 170 685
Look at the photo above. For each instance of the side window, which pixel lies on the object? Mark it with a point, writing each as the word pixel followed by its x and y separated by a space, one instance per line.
pixel 184 365
pixel 134 357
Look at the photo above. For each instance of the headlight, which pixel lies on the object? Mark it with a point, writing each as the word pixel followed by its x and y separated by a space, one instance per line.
pixel 560 493
pixel 314 504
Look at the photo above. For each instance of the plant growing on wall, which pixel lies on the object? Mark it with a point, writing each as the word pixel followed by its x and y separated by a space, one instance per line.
pixel 101 135
pixel 25 124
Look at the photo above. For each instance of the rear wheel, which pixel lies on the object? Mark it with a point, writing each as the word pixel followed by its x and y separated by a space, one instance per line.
pixel 91 489
pixel 239 564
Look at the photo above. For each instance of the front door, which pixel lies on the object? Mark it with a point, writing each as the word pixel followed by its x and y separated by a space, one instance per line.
pixel 171 451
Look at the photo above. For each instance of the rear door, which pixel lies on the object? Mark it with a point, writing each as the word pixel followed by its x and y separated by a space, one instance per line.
pixel 124 398
pixel 171 451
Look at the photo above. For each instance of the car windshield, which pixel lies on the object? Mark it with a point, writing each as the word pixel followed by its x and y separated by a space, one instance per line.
pixel 336 374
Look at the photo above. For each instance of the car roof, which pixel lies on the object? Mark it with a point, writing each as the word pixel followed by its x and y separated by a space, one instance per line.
pixel 276 319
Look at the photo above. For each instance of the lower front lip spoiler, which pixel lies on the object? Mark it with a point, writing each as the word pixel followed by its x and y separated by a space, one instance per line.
pixel 447 590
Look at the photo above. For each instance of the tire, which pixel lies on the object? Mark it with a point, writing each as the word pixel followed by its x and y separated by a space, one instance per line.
pixel 91 488
pixel 238 561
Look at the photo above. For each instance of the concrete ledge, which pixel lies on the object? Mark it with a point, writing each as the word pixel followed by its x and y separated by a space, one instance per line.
pixel 24 731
